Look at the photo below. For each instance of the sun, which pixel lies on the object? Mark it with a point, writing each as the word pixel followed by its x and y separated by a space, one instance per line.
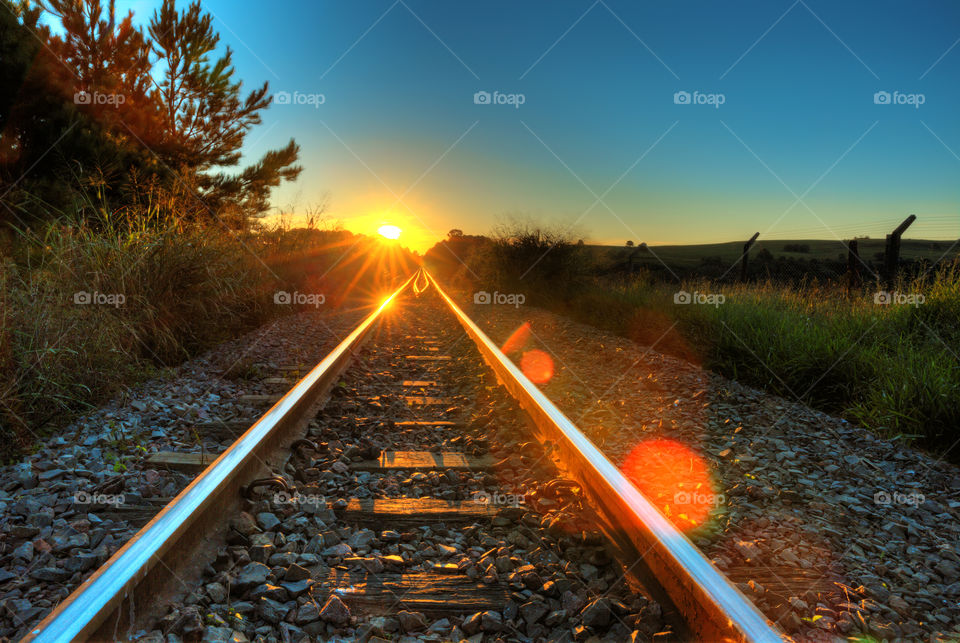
pixel 389 231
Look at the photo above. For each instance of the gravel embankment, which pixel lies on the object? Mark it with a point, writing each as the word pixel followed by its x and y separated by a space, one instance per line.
pixel 62 508
pixel 831 530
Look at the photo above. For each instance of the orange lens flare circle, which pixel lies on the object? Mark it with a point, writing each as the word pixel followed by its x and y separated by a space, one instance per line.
pixel 537 366
pixel 675 479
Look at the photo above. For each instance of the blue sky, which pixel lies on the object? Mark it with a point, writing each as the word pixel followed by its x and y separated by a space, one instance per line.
pixel 798 148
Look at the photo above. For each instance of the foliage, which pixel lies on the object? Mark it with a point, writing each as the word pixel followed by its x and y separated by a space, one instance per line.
pixel 84 121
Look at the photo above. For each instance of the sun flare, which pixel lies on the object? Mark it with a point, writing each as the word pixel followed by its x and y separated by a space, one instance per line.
pixel 389 231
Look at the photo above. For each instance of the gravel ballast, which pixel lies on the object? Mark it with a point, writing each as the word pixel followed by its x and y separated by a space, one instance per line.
pixel 832 531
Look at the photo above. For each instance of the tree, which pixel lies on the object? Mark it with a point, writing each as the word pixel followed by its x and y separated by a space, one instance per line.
pixel 456 233
pixel 204 118
pixel 49 148
pixel 110 62
pixel 629 243
pixel 83 121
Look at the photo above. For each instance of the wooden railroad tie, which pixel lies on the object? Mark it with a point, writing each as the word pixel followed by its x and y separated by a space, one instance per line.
pixel 434 594
pixel 424 460
pixel 416 511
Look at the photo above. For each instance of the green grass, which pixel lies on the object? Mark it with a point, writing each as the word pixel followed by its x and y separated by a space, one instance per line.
pixel 893 369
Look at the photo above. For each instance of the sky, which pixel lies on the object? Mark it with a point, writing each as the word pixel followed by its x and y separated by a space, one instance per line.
pixel 659 122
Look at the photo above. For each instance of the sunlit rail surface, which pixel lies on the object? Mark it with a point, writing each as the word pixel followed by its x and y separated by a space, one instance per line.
pixel 712 608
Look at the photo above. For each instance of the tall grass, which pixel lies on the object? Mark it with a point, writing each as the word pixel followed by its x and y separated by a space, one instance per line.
pixel 892 368
pixel 185 286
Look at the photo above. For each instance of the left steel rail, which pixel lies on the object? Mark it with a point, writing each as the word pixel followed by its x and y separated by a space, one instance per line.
pixel 101 607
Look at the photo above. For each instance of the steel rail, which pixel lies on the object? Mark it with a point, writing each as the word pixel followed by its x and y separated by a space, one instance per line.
pixel 713 608
pixel 87 609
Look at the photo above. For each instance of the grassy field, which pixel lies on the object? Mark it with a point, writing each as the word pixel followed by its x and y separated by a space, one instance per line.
pixel 893 368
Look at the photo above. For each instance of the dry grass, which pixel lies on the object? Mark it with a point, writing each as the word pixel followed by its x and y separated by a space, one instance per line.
pixel 184 287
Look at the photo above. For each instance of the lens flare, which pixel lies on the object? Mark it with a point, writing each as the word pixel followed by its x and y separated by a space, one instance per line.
pixel 537 366
pixel 517 339
pixel 389 231
pixel 675 479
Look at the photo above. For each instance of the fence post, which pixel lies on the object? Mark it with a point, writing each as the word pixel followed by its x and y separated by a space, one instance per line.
pixel 746 255
pixel 891 253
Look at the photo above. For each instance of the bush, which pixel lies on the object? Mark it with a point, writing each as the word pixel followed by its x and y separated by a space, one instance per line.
pixel 537 259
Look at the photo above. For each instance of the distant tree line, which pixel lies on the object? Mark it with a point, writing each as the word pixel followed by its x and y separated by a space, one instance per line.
pixel 110 117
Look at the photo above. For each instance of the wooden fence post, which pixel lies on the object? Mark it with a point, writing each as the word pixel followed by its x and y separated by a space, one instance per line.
pixel 746 255
pixel 891 253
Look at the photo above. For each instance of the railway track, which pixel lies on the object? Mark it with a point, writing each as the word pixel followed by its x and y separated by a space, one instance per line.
pixel 428 491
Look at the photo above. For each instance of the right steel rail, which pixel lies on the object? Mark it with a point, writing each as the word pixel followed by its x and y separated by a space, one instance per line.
pixel 714 609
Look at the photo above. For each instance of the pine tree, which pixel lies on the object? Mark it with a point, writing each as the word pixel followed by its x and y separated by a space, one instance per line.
pixel 110 61
pixel 83 121
pixel 205 119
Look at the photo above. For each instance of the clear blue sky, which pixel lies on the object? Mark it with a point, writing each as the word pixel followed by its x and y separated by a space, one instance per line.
pixel 599 119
